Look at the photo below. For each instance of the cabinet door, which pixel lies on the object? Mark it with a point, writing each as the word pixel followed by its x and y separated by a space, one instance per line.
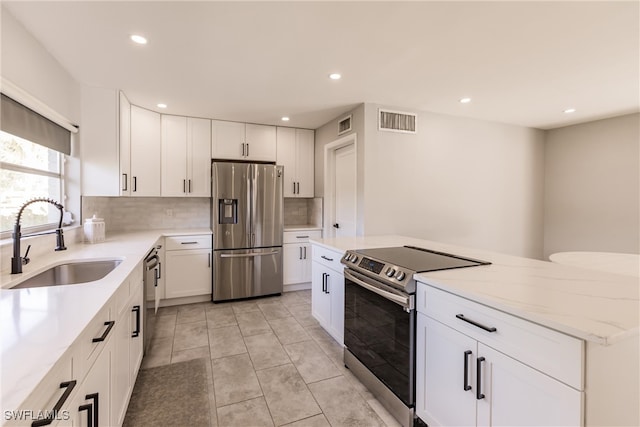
pixel 174 155
pixel 292 264
pixel 198 157
pixel 320 299
pixel 227 140
pixel 145 152
pixel 261 143
pixel 441 356
pixel 516 394
pixel 94 393
pixel 286 156
pixel 99 153
pixel 305 162
pixel 121 378
pixel 335 288
pixel 306 263
pixel 125 145
pixel 136 323
pixel 188 273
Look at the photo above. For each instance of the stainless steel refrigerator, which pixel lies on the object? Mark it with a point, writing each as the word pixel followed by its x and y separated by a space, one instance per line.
pixel 247 220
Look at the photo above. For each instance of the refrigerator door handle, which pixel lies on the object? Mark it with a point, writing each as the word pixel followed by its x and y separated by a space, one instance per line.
pixel 248 255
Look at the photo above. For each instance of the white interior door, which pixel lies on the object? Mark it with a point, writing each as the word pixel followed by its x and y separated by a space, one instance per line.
pixel 344 191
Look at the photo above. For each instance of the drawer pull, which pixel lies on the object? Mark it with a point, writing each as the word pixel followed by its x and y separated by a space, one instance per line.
pixel 136 332
pixel 69 386
pixel 89 408
pixel 302 237
pixel 188 243
pixel 109 325
pixel 479 394
pixel 474 323
pixel 328 259
pixel 466 386
pixel 96 410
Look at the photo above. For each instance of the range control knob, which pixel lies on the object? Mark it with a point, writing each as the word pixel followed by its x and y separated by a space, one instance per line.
pixel 353 258
pixel 390 272
pixel 400 276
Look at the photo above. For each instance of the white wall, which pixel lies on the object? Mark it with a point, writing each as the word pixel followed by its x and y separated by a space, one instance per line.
pixel 27 64
pixel 592 187
pixel 460 181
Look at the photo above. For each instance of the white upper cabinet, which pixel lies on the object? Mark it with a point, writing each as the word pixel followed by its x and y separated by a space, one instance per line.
pixel 296 153
pixel 125 145
pixel 260 142
pixel 145 152
pixel 186 156
pixel 99 141
pixel 240 141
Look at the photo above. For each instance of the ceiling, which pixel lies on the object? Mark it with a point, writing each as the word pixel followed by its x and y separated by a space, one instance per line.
pixel 522 63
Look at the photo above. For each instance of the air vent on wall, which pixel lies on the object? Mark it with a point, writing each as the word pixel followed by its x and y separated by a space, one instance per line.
pixel 397 121
pixel 344 125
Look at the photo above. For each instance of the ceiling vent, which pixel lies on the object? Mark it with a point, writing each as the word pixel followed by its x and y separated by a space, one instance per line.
pixel 344 125
pixel 397 121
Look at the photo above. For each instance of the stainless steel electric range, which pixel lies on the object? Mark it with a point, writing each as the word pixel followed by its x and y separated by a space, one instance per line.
pixel 379 324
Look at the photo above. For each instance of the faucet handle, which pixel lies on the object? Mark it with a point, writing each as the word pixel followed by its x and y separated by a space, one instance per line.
pixel 25 258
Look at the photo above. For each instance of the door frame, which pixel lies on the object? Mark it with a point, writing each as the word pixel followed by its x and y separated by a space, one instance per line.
pixel 329 180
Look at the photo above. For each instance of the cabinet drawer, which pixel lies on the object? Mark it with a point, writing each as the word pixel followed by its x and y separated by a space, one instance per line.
pixel 554 353
pixel 327 257
pixel 301 236
pixel 94 337
pixel 201 241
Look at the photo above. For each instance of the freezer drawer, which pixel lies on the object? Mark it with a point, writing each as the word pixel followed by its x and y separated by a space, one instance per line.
pixel 246 273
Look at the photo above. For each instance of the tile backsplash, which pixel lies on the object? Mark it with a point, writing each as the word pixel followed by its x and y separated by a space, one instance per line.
pixel 148 213
pixel 303 211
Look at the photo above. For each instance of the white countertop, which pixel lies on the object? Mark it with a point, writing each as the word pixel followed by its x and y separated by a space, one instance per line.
pixel 592 305
pixel 38 325
pixel 308 227
pixel 612 262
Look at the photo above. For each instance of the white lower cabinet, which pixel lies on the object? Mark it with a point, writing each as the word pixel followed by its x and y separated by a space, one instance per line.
pixel 128 349
pixel 296 256
pixel 327 291
pixel 187 266
pixel 91 407
pixel 461 380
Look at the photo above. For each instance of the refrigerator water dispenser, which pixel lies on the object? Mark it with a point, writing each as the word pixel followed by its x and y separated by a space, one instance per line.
pixel 227 211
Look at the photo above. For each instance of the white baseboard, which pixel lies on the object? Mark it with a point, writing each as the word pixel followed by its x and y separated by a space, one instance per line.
pixel 296 287
pixel 185 300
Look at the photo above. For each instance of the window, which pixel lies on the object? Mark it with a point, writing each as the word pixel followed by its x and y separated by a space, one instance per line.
pixel 28 170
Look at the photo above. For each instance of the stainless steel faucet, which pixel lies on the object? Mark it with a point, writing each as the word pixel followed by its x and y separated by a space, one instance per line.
pixel 17 261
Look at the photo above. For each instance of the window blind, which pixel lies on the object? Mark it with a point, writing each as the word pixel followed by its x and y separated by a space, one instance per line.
pixel 21 121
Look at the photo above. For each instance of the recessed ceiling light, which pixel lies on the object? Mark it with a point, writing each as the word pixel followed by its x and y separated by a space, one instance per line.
pixel 335 76
pixel 138 39
pixel 161 105
pixel 570 110
pixel 285 119
pixel 465 100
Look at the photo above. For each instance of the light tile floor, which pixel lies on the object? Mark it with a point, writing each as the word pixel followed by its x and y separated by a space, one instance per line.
pixel 272 364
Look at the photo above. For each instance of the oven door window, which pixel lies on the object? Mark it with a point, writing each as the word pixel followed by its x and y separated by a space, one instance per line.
pixel 380 334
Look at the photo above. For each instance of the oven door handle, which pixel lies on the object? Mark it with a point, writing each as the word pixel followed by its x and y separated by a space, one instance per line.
pixel 406 302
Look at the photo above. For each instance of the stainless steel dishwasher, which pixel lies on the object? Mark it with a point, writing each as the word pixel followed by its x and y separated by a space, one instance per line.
pixel 151 297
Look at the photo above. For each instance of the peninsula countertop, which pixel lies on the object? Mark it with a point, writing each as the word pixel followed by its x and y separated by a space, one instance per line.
pixel 596 306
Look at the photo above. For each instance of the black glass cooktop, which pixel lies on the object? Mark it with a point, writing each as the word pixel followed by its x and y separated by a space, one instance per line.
pixel 419 260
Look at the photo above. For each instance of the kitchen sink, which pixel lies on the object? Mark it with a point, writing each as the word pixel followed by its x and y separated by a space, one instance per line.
pixel 70 274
